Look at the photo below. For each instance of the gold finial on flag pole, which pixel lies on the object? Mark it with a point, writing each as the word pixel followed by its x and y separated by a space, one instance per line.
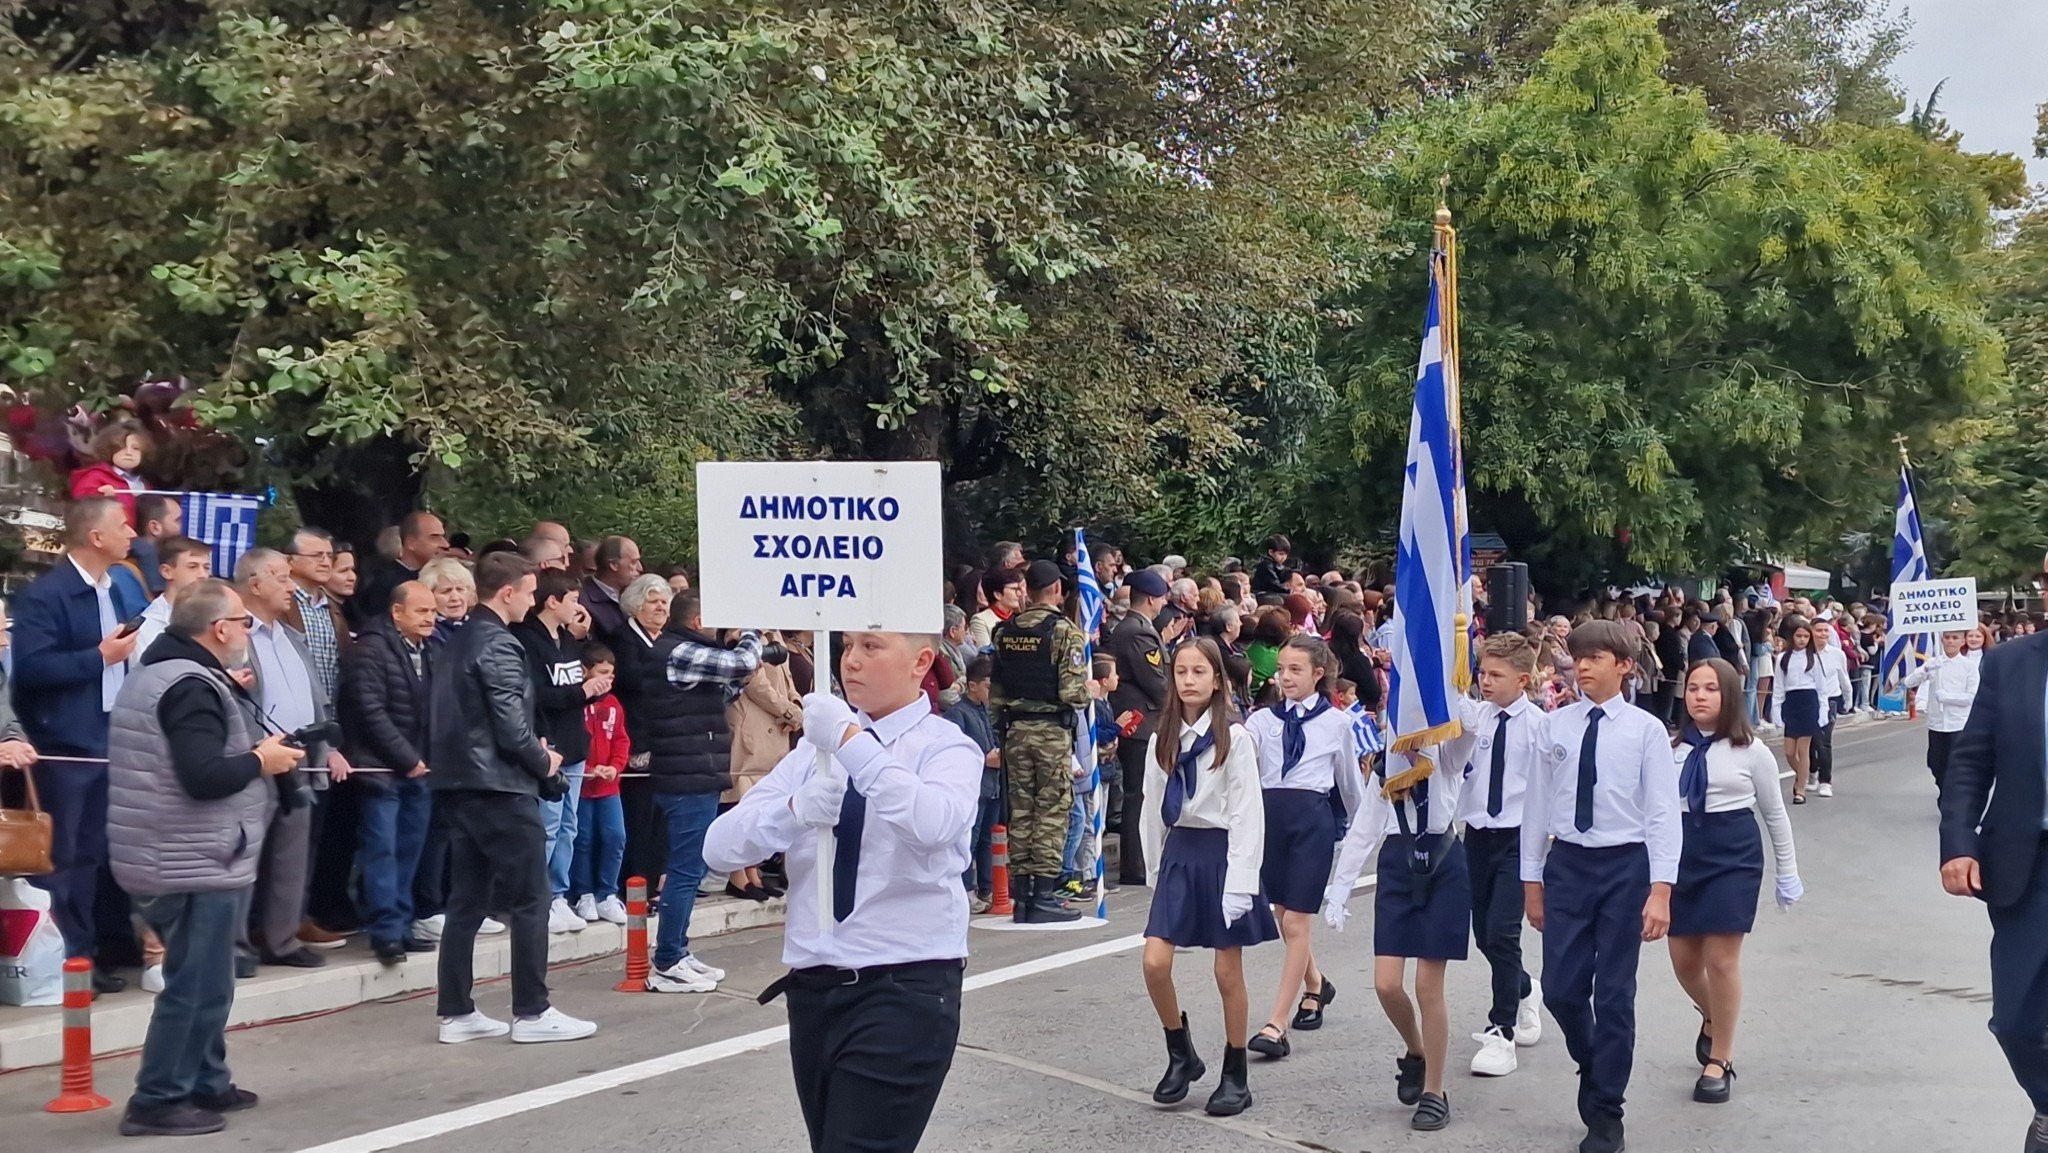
pixel 1900 440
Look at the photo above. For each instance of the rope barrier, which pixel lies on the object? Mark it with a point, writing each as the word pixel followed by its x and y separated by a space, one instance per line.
pixel 311 769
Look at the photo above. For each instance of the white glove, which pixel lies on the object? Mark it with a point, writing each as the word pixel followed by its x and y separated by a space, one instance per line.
pixel 1789 890
pixel 1336 907
pixel 816 802
pixel 826 719
pixel 1235 905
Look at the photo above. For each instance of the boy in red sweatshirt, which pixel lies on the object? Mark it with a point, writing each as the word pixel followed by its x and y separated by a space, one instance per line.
pixel 600 819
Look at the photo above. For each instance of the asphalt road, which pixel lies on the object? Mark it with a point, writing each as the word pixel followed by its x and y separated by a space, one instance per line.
pixel 1864 1029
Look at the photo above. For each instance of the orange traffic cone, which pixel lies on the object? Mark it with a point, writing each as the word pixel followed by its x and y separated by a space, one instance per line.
pixel 637 966
pixel 999 884
pixel 74 1085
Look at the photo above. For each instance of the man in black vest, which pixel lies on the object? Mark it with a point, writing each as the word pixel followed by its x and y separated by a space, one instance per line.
pixel 1142 677
pixel 1040 678
pixel 1994 828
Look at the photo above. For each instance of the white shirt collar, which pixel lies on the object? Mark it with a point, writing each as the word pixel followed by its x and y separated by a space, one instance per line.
pixel 1192 731
pixel 1302 707
pixel 888 729
pixel 105 581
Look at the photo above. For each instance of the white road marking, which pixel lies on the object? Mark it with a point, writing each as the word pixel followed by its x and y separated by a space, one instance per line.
pixel 484 1112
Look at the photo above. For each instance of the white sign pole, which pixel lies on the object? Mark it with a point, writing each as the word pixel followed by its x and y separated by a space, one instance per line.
pixel 828 840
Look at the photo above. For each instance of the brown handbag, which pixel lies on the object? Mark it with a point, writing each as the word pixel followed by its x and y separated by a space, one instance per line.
pixel 26 836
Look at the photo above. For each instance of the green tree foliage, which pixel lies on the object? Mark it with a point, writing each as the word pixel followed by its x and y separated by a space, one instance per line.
pixel 1695 341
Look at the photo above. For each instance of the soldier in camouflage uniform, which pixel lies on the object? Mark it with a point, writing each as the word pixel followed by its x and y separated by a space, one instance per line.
pixel 1040 679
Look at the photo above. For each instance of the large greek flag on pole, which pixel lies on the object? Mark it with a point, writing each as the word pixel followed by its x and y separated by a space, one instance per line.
pixel 1084 731
pixel 1432 589
pixel 1903 652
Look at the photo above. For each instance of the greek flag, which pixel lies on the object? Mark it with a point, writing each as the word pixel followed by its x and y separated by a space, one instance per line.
pixel 1903 652
pixel 224 520
pixel 1084 730
pixel 1432 561
pixel 1365 732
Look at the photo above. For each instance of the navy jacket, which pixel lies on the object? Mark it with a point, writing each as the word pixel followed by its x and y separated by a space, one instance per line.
pixel 1994 796
pixel 57 665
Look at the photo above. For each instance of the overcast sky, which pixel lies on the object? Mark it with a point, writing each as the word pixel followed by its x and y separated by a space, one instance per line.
pixel 1992 54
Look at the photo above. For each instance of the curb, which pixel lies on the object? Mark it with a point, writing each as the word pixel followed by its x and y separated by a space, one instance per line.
pixel 32 1037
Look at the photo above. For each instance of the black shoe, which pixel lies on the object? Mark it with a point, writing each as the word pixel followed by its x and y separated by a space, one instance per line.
pixel 1020 899
pixel 774 887
pixel 1046 906
pixel 299 958
pixel 388 952
pixel 1183 1067
pixel 1274 1046
pixel 1603 1135
pixel 1432 1113
pixel 1715 1090
pixel 418 944
pixel 105 982
pixel 234 1100
pixel 245 966
pixel 1312 1019
pixel 1233 1093
pixel 180 1120
pixel 757 893
pixel 1408 1079
pixel 2037 1134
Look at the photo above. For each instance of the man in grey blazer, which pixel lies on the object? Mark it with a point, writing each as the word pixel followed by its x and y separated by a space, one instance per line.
pixel 289 692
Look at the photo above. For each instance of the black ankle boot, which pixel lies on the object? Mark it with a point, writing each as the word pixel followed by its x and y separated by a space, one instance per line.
pixel 1047 908
pixel 1021 894
pixel 1182 1066
pixel 1233 1093
pixel 1603 1135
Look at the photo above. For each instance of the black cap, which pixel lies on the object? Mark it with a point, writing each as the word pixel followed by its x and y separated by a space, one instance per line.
pixel 1042 575
pixel 1146 583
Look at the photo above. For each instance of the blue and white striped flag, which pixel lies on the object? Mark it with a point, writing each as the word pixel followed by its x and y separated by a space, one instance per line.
pixel 224 520
pixel 1365 732
pixel 1432 586
pixel 1904 652
pixel 1084 731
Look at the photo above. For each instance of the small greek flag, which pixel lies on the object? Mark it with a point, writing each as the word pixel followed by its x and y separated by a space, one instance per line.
pixel 1904 652
pixel 1365 732
pixel 224 520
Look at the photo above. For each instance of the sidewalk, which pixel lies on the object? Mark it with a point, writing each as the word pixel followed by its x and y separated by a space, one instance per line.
pixel 352 976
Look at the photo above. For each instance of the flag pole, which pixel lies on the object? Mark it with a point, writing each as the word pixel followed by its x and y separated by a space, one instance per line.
pixel 1444 258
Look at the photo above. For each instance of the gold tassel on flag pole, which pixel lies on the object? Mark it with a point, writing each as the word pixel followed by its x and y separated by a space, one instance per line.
pixel 1444 258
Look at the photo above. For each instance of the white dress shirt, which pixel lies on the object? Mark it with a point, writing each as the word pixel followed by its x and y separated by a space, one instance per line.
pixel 1329 756
pixel 1747 778
pixel 1635 789
pixel 1834 680
pixel 284 680
pixel 1526 742
pixel 1951 690
pixel 921 777
pixel 1226 798
pixel 114 674
pixel 155 619
pixel 1381 818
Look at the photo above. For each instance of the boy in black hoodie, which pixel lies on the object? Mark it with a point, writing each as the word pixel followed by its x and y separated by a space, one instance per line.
pixel 554 655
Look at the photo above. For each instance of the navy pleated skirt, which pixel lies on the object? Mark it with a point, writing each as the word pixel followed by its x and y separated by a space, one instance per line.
pixel 1416 915
pixel 1301 845
pixel 1802 713
pixel 1187 899
pixel 1720 873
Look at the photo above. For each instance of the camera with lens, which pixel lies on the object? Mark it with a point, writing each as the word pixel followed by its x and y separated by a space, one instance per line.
pixel 773 654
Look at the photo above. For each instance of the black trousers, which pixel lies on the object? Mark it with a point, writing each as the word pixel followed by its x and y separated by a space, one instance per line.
pixel 1823 751
pixel 2019 983
pixel 1939 746
pixel 646 833
pixel 1130 754
pixel 330 891
pixel 1592 939
pixel 1494 858
pixel 497 859
pixel 870 1057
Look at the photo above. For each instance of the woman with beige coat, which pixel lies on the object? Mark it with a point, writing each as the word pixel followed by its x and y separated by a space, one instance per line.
pixel 764 720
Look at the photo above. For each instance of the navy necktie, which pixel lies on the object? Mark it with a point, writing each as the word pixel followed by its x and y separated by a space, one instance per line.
pixel 1498 780
pixel 1692 779
pixel 853 815
pixel 1180 786
pixel 1294 733
pixel 1589 771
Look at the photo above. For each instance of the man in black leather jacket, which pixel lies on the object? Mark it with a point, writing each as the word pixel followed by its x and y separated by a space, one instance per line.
pixel 489 770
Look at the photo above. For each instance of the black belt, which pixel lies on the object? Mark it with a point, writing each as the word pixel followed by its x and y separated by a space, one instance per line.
pixel 819 977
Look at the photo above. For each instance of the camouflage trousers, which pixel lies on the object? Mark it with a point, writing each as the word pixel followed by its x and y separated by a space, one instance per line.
pixel 1038 756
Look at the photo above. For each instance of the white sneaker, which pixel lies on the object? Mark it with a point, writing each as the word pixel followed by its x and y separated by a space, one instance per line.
pixel 475 1027
pixel 152 978
pixel 1496 1056
pixel 1529 1017
pixel 586 907
pixel 702 969
pixel 679 978
pixel 612 909
pixel 490 927
pixel 429 928
pixel 553 1025
pixel 562 919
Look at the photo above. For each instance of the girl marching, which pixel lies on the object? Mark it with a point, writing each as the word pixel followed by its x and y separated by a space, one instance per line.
pixel 1796 691
pixel 1726 777
pixel 1305 752
pixel 1206 833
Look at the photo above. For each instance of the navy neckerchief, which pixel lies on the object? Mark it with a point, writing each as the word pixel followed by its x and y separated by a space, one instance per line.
pixel 1692 779
pixel 1294 731
pixel 1180 785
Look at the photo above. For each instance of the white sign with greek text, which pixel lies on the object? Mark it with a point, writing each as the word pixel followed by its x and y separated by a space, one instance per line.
pixel 1935 606
pixel 834 546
